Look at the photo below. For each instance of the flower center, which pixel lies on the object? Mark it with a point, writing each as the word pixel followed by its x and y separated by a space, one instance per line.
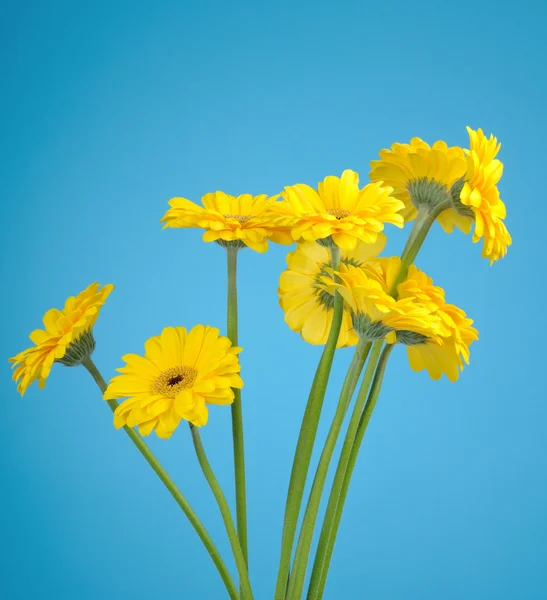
pixel 339 213
pixel 173 380
pixel 241 218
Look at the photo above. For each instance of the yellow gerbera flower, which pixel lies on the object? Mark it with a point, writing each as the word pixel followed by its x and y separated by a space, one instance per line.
pixel 464 180
pixel 450 350
pixel 338 210
pixel 181 372
pixel 480 193
pixel 66 338
pixel 419 173
pixel 377 315
pixel 437 334
pixel 307 306
pixel 244 220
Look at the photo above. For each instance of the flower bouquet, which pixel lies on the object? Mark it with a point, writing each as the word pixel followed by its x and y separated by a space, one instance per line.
pixel 338 291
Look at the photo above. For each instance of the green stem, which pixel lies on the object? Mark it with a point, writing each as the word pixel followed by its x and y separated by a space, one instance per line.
pixel 425 219
pixel 327 530
pixel 306 440
pixel 237 412
pixel 422 214
pixel 170 485
pixel 363 424
pixel 245 584
pixel 303 547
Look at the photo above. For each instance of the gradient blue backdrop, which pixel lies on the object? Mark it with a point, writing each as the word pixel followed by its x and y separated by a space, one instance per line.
pixel 111 108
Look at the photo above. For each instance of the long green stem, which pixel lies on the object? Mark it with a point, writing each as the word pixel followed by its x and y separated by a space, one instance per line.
pixel 363 424
pixel 298 574
pixel 328 524
pixel 237 412
pixel 170 485
pixel 417 223
pixel 245 584
pixel 425 219
pixel 306 440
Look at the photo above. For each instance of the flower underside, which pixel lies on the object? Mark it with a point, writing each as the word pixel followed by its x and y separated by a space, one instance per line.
pixel 326 242
pixel 411 338
pixel 425 191
pixel 368 329
pixel 231 244
pixel 78 350
pixel 324 297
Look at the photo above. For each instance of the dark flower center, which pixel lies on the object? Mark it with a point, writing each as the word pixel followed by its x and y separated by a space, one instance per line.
pixel 174 380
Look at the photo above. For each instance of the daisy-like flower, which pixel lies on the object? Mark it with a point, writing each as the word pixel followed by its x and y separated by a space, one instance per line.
pixel 238 221
pixel 480 193
pixel 424 174
pixel 465 181
pixel 181 372
pixel 308 307
pixel 338 210
pixel 376 315
pixel 67 338
pixel 447 353
pixel 437 335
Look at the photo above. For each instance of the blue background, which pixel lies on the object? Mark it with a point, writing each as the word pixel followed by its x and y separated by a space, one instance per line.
pixel 111 108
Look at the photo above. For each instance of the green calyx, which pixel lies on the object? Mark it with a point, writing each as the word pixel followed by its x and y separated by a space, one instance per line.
pixel 325 298
pixel 326 242
pixel 411 338
pixel 237 244
pixel 368 330
pixel 432 194
pixel 78 350
pixel 457 205
pixel 427 192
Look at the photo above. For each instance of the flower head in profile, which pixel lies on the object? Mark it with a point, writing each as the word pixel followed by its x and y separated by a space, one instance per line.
pixel 338 210
pixel 423 174
pixel 180 374
pixel 307 305
pixel 437 335
pixel 462 180
pixel 237 221
pixel 67 337
pixel 450 350
pixel 375 313
pixel 481 195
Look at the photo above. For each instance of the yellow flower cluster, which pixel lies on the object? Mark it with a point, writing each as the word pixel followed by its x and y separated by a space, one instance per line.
pixel 437 334
pixel 308 307
pixel 337 211
pixel 463 180
pixel 447 352
pixel 184 371
pixel 337 291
